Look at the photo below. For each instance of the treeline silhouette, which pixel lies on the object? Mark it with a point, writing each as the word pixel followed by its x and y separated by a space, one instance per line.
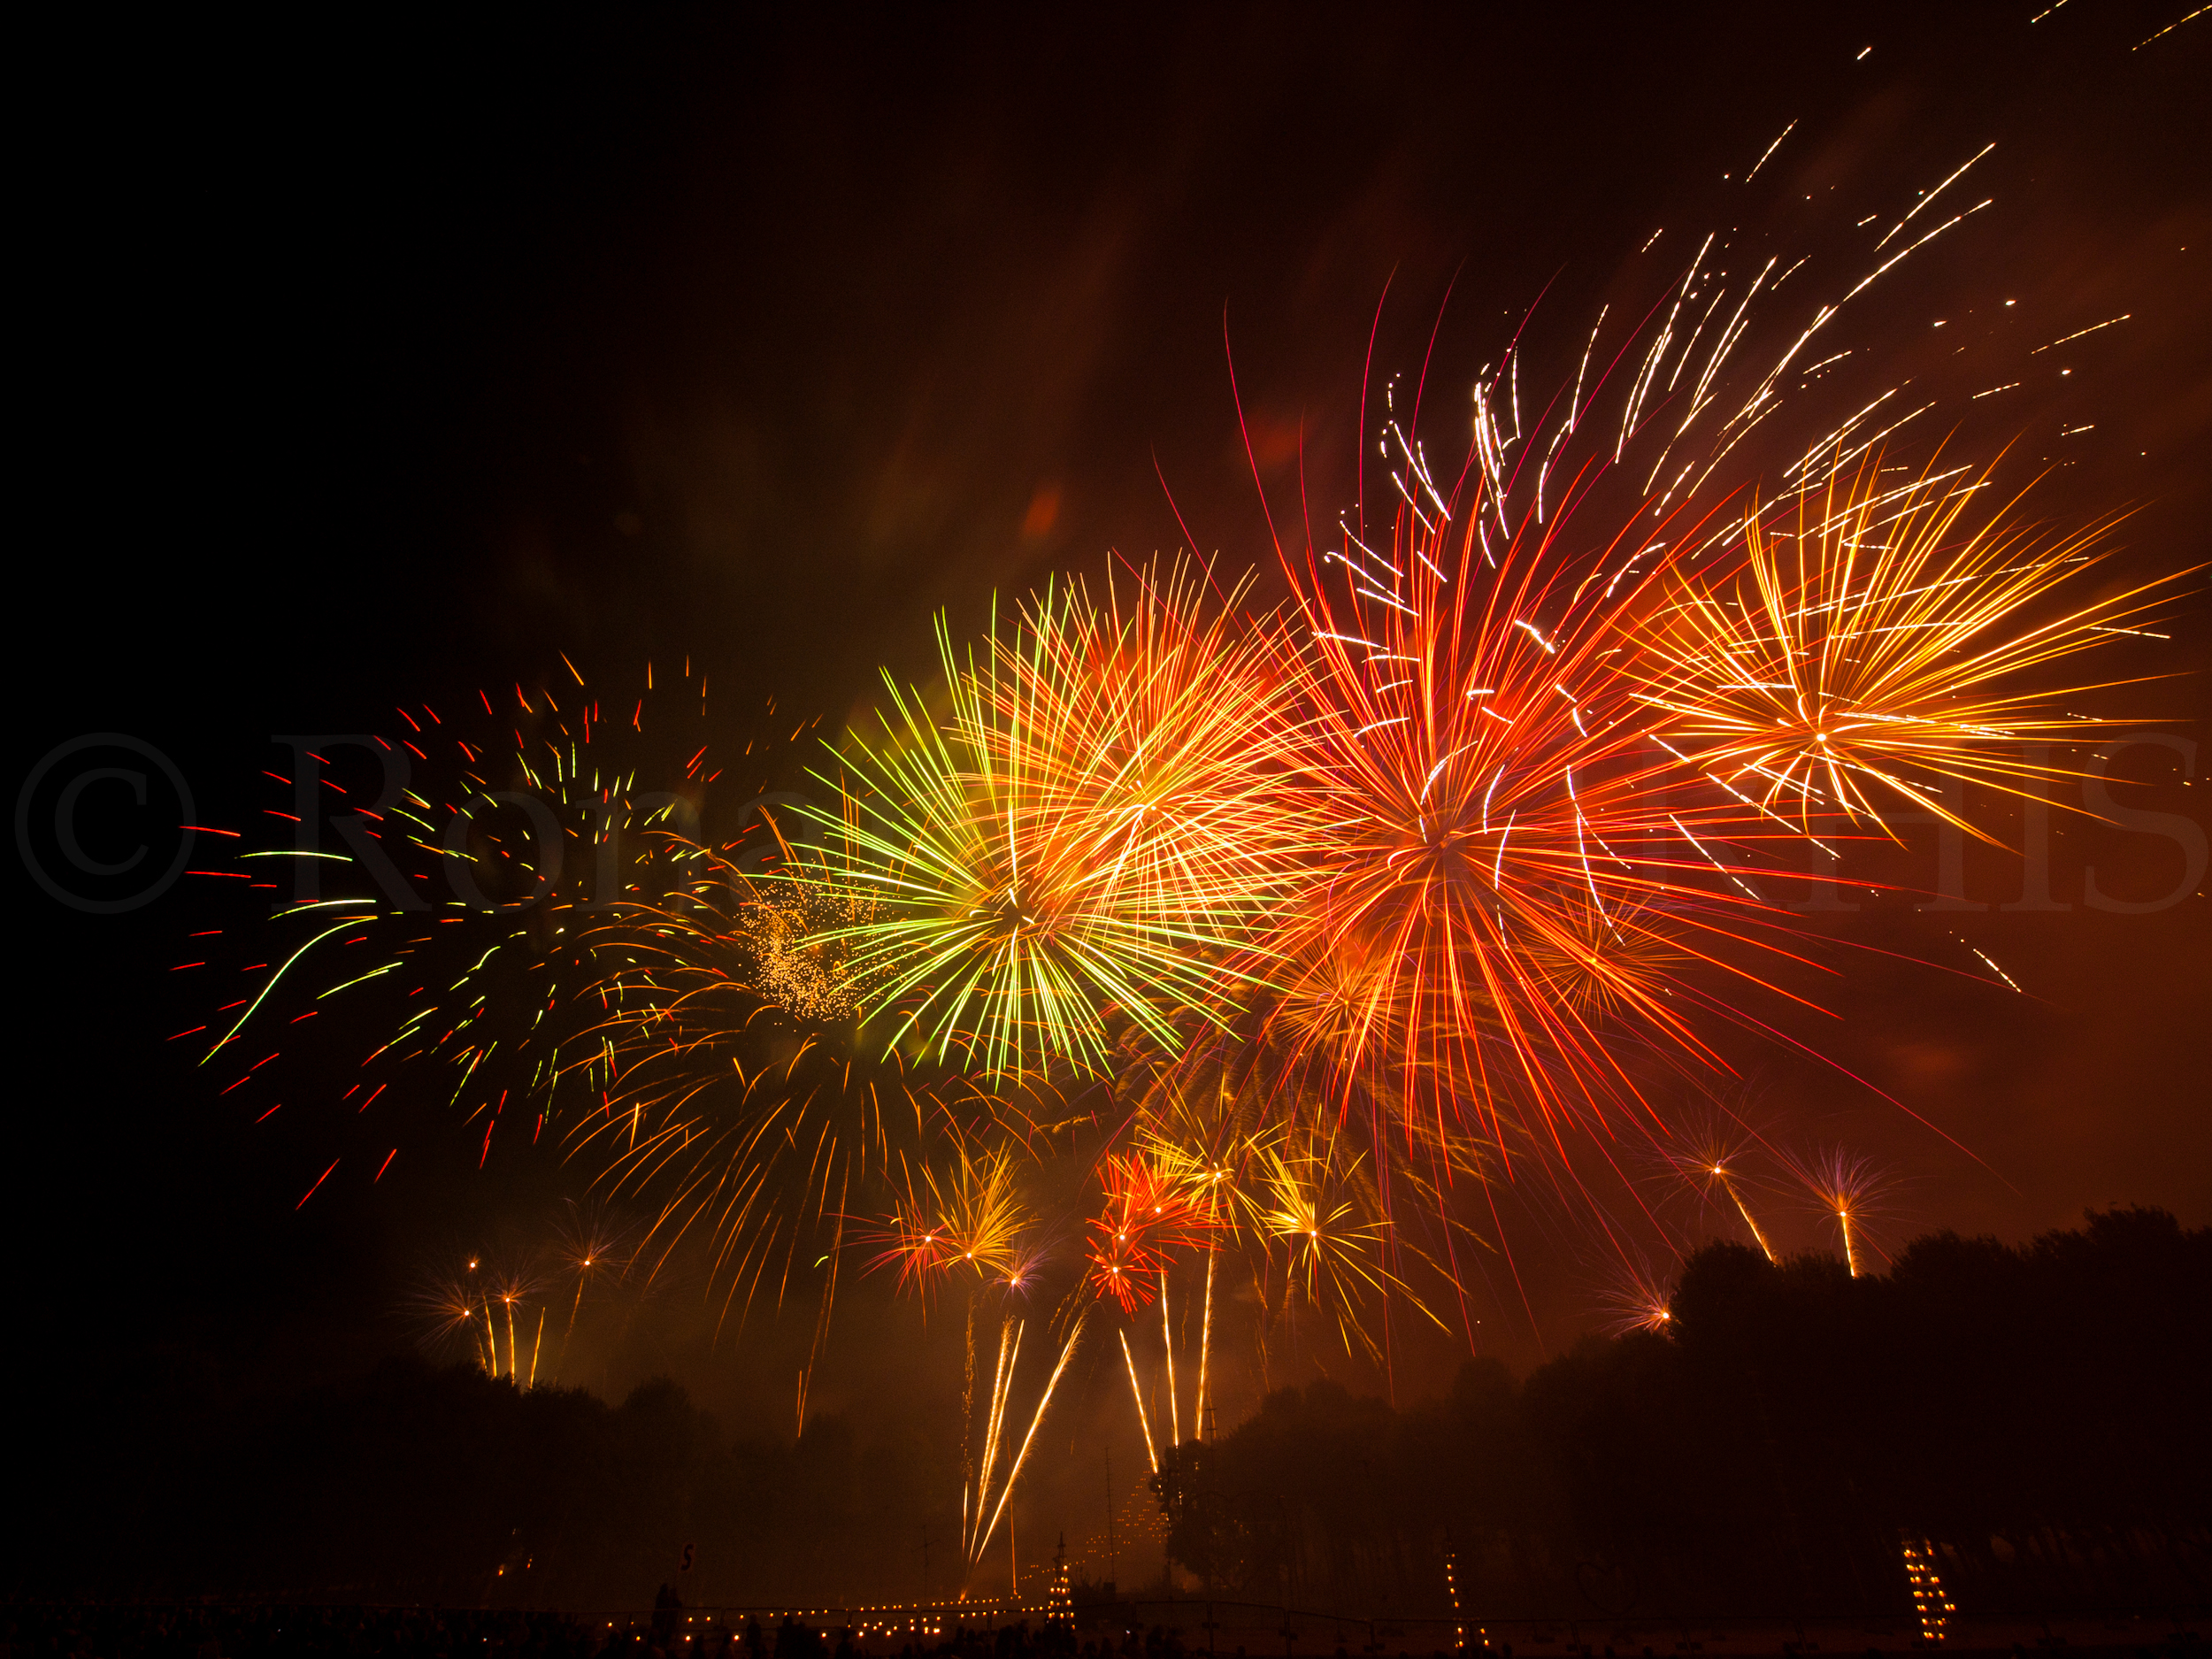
pixel 2038 1414
pixel 2041 1415
pixel 411 1482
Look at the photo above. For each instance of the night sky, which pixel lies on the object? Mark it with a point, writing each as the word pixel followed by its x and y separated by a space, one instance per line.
pixel 370 360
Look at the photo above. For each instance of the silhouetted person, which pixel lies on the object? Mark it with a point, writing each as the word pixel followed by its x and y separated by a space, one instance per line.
pixel 666 1605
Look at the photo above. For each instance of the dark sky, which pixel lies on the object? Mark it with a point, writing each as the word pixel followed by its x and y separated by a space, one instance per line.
pixel 387 358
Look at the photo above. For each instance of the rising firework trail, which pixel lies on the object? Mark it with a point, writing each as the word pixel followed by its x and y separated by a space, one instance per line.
pixel 1167 1333
pixel 1001 1380
pixel 1205 1347
pixel 1067 1352
pixel 1136 1392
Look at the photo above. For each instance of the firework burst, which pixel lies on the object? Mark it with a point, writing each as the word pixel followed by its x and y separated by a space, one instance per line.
pixel 1638 1299
pixel 1872 645
pixel 1145 1221
pixel 753 1106
pixel 1080 842
pixel 1281 928
pixel 971 1218
pixel 481 867
pixel 1848 1190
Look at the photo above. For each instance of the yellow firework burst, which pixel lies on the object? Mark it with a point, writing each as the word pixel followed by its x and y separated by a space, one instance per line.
pixel 1875 643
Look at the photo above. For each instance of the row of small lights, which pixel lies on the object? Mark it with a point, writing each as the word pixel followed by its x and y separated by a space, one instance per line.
pixel 882 1626
pixel 1928 1599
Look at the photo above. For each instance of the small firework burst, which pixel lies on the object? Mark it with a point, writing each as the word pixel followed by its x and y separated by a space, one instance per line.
pixel 1849 1190
pixel 971 1218
pixel 1638 1299
pixel 1145 1221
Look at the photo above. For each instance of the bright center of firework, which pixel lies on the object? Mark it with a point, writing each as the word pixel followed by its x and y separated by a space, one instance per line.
pixel 1010 912
pixel 1439 845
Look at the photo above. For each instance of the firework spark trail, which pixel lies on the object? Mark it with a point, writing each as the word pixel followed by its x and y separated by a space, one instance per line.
pixel 1729 1186
pixel 1136 1392
pixel 1009 1341
pixel 1205 1347
pixel 967 1424
pixel 1014 1474
pixel 1167 1335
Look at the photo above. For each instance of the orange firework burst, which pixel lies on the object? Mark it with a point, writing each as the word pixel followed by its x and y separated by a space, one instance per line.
pixel 1487 812
pixel 1147 1217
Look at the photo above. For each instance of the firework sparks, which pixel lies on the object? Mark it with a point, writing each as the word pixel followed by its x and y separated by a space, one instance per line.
pixel 1863 656
pixel 1399 887
pixel 1078 839
pixel 1145 1221
pixel 1640 1300
pixel 1847 1187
